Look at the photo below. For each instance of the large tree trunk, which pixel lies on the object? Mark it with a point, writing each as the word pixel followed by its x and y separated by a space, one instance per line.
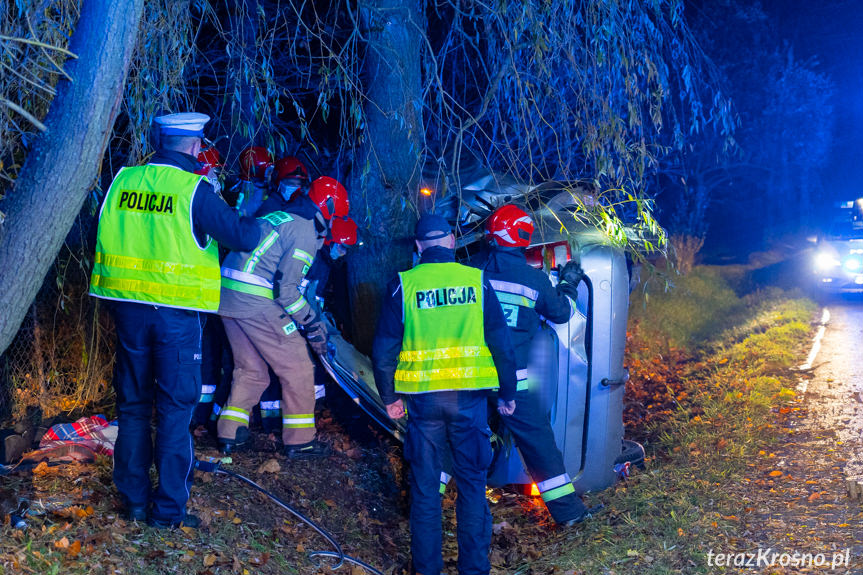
pixel 386 169
pixel 65 161
pixel 244 23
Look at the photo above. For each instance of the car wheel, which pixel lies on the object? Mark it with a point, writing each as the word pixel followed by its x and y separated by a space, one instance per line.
pixel 631 451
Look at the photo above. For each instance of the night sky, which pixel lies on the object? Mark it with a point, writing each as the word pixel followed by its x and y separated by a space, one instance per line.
pixel 831 31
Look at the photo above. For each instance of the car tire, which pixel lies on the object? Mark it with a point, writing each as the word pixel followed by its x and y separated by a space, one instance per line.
pixel 631 451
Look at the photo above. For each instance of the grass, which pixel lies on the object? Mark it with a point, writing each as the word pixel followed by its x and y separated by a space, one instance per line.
pixel 727 379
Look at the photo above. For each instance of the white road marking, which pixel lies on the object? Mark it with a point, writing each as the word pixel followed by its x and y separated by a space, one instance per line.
pixel 813 353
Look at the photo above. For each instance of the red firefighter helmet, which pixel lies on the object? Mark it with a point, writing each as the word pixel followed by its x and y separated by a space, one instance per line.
pixel 254 163
pixel 342 231
pixel 289 167
pixel 208 158
pixel 509 226
pixel 330 196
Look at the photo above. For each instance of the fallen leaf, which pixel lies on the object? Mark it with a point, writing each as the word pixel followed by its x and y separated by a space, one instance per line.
pixel 269 466
pixel 74 549
pixel 210 560
pixel 355 453
pixel 775 473
pixel 814 496
pixel 62 543
pixel 498 527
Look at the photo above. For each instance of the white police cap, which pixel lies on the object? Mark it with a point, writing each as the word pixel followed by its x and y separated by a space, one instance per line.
pixel 183 124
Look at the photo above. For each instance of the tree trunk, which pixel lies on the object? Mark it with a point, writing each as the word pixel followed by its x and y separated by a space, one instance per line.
pixel 65 161
pixel 242 117
pixel 386 168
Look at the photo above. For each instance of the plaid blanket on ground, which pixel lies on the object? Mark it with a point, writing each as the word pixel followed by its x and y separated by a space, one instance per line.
pixel 94 432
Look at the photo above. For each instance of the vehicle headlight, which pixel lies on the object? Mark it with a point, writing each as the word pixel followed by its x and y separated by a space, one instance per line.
pixel 825 261
pixel 853 264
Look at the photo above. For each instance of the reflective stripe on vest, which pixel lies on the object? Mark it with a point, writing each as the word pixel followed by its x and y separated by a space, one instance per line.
pixel 443 347
pixel 146 250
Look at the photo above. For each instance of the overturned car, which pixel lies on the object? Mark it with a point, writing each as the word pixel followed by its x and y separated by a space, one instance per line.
pixel 577 366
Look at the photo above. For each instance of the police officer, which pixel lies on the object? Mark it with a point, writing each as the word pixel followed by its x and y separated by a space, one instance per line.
pixel 155 259
pixel 263 312
pixel 525 294
pixel 441 345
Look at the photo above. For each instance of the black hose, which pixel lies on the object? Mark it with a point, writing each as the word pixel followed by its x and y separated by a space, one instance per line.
pixel 353 560
pixel 213 467
pixel 339 553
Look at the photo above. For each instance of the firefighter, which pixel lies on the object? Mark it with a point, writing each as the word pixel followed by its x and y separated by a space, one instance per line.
pixel 256 165
pixel 441 345
pixel 155 260
pixel 525 294
pixel 289 187
pixel 289 180
pixel 263 312
pixel 342 234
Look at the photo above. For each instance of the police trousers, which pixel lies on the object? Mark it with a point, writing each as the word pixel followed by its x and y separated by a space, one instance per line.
pixel 438 422
pixel 256 343
pixel 158 363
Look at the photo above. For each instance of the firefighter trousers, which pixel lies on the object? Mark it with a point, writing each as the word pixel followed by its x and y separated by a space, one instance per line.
pixel 531 428
pixel 257 342
pixel 217 365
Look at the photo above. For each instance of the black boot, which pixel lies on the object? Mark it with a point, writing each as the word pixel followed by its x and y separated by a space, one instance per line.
pixel 241 442
pixel 310 450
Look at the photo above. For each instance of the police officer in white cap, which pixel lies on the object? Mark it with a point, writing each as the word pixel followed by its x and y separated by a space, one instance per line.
pixel 157 262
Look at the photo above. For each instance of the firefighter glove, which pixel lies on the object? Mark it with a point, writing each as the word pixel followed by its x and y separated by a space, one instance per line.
pixel 572 273
pixel 568 289
pixel 316 335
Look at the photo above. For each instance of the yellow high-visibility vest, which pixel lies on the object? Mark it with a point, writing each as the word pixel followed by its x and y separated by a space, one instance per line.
pixel 146 250
pixel 443 347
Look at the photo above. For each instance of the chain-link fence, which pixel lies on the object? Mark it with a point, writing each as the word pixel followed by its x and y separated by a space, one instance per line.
pixel 61 359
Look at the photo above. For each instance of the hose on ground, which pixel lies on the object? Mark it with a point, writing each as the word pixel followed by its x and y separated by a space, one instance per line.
pixel 213 467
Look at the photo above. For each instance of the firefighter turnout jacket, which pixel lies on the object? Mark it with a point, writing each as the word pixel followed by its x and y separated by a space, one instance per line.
pixel 525 294
pixel 253 281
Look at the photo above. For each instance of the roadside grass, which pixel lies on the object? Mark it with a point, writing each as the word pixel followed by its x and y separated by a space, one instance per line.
pixel 724 378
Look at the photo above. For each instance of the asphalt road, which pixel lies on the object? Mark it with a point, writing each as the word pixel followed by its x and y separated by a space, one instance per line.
pixel 835 392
